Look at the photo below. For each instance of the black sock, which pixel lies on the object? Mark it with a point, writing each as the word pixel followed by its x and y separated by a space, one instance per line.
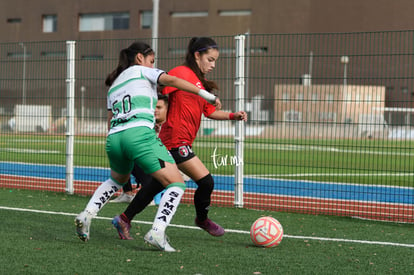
pixel 127 186
pixel 202 197
pixel 143 198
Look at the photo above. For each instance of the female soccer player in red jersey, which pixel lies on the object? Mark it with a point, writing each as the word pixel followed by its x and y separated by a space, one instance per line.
pixel 180 129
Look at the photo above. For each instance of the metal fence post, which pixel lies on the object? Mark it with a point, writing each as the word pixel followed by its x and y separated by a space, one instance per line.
pixel 239 135
pixel 155 21
pixel 70 113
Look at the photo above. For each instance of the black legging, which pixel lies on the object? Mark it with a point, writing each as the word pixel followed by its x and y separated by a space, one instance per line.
pixel 143 198
pixel 202 197
pixel 140 177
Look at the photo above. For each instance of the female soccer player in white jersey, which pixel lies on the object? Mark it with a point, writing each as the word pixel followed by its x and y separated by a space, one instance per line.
pixel 131 100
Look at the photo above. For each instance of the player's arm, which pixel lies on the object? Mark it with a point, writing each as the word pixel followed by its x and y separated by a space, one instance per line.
pixel 222 115
pixel 169 80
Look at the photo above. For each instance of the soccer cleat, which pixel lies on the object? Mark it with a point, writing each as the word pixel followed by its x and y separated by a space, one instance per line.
pixel 83 223
pixel 211 227
pixel 159 240
pixel 123 228
pixel 124 197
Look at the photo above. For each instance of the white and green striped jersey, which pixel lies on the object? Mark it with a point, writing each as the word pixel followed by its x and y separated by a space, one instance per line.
pixel 133 97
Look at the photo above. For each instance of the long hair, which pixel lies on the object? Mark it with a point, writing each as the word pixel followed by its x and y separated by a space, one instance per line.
pixel 201 45
pixel 127 58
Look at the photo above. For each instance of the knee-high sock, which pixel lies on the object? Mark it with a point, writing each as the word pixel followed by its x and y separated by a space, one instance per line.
pixel 127 186
pixel 101 196
pixel 202 196
pixel 168 206
pixel 143 198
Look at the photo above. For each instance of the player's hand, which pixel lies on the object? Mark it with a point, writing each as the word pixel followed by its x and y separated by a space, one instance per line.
pixel 217 104
pixel 240 115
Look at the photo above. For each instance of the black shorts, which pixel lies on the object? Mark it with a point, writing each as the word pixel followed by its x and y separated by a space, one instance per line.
pixel 182 153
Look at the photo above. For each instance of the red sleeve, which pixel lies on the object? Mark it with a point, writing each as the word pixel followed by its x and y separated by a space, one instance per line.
pixel 208 109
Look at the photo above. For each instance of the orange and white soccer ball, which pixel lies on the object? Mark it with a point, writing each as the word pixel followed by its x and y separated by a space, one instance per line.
pixel 266 232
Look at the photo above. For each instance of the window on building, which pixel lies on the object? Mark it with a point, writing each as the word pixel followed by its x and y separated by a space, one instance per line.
pixel 357 98
pixel 259 50
pixel 14 20
pixel 146 19
pixel 19 54
pixel 292 116
pixel 190 14
pixel 178 51
pixel 286 97
pixel 92 57
pixel 329 98
pixel 49 23
pixel 235 12
pixel 103 22
pixel 53 54
pixel 327 117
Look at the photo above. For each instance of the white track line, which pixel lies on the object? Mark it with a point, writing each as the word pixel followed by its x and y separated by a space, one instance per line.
pixel 337 175
pixel 262 146
pixel 29 151
pixel 227 230
pixel 292 147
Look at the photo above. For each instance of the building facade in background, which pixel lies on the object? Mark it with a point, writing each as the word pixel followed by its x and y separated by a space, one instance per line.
pixel 306 28
pixel 45 20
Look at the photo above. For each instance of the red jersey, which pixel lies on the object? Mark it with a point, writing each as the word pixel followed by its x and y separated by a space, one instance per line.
pixel 184 111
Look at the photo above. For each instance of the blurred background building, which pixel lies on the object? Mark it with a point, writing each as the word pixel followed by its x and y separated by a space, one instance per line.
pixel 364 33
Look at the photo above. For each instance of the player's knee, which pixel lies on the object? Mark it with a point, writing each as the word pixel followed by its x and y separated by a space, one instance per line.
pixel 206 183
pixel 180 185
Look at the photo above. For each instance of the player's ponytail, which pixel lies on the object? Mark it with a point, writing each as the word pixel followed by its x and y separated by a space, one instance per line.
pixel 201 45
pixel 127 59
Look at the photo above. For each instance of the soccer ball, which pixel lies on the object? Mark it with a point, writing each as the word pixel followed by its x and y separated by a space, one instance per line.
pixel 266 232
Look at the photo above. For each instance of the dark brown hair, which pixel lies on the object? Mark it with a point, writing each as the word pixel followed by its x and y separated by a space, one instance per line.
pixel 201 45
pixel 163 98
pixel 127 58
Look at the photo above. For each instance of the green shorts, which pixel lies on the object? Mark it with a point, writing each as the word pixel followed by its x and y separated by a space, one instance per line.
pixel 140 145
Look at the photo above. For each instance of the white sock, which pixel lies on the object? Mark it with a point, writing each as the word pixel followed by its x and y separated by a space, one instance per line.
pixel 101 196
pixel 168 206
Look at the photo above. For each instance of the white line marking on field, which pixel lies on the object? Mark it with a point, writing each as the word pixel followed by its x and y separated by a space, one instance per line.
pixel 338 175
pixel 103 141
pixel 29 151
pixel 227 230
